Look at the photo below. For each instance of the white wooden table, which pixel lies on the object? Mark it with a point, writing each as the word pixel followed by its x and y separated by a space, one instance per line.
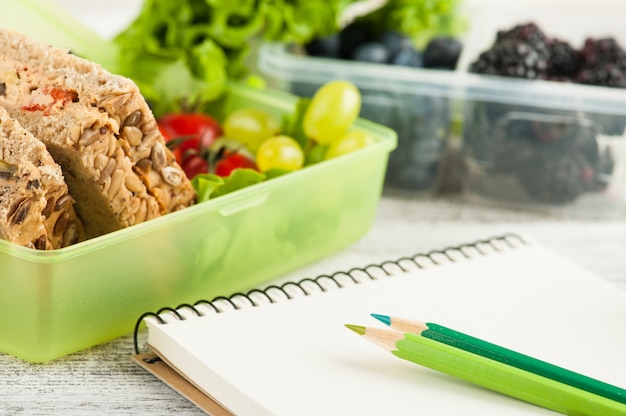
pixel 103 380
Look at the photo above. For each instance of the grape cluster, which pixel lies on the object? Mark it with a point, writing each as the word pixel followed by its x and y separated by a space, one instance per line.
pixel 326 130
pixel 358 42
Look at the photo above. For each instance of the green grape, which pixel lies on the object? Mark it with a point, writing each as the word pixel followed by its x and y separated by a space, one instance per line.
pixel 279 153
pixel 250 127
pixel 332 110
pixel 349 142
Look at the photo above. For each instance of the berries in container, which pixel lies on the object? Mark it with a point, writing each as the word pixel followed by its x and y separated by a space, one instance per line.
pixel 544 113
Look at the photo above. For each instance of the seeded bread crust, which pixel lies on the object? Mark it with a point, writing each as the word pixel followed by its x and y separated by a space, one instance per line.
pixel 36 210
pixel 98 127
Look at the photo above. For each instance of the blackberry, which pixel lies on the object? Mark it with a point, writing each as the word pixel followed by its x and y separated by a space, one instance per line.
pixel 528 33
pixel 603 63
pixel 604 74
pixel 600 62
pixel 555 176
pixel 599 52
pixel 564 60
pixel 556 160
pixel 512 58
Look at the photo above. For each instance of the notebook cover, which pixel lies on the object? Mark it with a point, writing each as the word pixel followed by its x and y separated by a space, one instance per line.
pixel 165 373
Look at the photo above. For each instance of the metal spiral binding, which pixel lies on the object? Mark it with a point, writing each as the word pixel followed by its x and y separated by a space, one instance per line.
pixel 482 247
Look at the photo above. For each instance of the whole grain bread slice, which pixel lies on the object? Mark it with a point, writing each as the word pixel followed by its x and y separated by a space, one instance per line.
pixel 99 128
pixel 36 210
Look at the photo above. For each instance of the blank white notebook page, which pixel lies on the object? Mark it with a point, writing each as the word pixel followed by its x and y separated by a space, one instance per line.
pixel 296 357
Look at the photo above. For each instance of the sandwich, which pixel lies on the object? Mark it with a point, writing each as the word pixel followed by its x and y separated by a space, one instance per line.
pixel 98 128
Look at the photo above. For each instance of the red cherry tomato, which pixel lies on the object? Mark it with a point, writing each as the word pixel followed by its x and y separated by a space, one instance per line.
pixel 194 165
pixel 225 166
pixel 195 130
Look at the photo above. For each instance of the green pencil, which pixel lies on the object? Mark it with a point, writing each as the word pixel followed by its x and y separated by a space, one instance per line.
pixel 491 373
pixel 504 355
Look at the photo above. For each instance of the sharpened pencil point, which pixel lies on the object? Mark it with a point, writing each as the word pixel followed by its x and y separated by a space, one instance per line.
pixel 356 328
pixel 382 318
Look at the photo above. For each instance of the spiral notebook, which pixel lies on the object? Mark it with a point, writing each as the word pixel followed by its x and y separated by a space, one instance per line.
pixel 284 350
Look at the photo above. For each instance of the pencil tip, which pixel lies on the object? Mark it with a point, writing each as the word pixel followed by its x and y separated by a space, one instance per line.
pixel 382 318
pixel 356 328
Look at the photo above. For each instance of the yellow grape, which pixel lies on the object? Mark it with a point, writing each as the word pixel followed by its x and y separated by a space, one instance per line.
pixel 280 153
pixel 332 110
pixel 250 127
pixel 349 142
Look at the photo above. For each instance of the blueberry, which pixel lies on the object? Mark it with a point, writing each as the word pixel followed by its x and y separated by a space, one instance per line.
pixel 327 47
pixel 373 52
pixel 395 42
pixel 351 37
pixel 442 53
pixel 408 57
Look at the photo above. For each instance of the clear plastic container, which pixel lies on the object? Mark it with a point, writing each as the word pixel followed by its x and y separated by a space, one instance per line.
pixel 57 302
pixel 545 145
pixel 548 145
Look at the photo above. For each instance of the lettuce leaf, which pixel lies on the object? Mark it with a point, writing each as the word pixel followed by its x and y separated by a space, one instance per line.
pixel 419 19
pixel 181 53
pixel 209 185
pixel 296 21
